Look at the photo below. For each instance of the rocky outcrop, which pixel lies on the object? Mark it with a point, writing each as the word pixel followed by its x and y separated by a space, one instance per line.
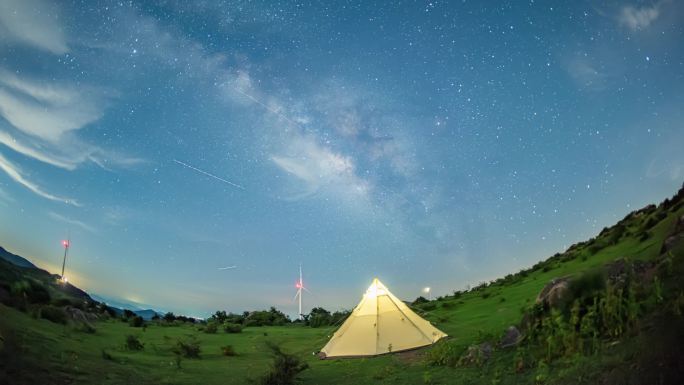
pixel 512 337
pixel 676 237
pixel 554 292
pixel 476 355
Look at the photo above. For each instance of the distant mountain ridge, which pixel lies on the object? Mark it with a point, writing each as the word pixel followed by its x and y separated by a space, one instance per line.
pixel 117 305
pixel 15 259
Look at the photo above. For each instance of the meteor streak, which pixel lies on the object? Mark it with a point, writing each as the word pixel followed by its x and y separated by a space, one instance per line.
pixel 208 174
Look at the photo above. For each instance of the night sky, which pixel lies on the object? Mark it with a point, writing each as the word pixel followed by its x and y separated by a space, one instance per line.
pixel 426 143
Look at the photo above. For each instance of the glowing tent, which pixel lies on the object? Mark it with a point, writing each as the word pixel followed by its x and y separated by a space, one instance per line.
pixel 380 323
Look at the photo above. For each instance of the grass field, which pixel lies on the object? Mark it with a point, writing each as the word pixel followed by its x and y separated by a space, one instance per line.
pixel 39 351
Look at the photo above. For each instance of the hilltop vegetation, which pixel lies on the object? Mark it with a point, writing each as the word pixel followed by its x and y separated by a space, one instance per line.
pixel 607 310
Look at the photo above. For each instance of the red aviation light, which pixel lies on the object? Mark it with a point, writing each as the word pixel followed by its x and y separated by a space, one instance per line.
pixel 65 243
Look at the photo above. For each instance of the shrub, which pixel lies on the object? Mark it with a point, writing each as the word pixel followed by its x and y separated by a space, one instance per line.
pixel 486 295
pixel 53 314
pixel 228 351
pixel 232 328
pixel 444 353
pixel 428 306
pixel 31 291
pixel 587 285
pixel 211 328
pixel 106 356
pixel 284 369
pixel 136 321
pixel 188 349
pixel 133 343
pixel 127 314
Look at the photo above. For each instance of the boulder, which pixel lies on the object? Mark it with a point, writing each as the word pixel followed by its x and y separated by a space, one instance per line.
pixel 554 291
pixel 476 355
pixel 675 237
pixel 511 337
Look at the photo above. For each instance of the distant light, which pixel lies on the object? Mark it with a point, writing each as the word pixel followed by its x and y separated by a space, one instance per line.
pixel 65 279
pixel 65 243
pixel 426 290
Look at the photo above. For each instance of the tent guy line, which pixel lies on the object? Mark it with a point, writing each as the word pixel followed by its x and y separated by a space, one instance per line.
pixel 208 174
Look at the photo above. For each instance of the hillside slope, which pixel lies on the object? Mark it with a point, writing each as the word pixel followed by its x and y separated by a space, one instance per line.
pixel 619 322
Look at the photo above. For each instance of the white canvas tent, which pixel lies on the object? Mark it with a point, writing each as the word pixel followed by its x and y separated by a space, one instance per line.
pixel 380 323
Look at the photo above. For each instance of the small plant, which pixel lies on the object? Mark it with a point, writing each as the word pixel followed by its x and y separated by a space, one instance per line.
pixel 187 349
pixel 284 369
pixel 228 351
pixel 133 343
pixel 106 356
pixel 136 321
pixel 657 290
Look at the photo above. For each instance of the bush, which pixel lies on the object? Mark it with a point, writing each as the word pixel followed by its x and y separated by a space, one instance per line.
pixel 271 317
pixel 31 291
pixel 127 314
pixel 106 356
pixel 133 343
pixel 211 328
pixel 187 349
pixel 428 306
pixel 284 369
pixel 53 314
pixel 443 353
pixel 136 321
pixel 486 295
pixel 232 328
pixel 228 351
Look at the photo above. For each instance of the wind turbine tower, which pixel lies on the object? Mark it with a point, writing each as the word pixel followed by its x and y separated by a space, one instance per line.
pixel 300 287
pixel 66 243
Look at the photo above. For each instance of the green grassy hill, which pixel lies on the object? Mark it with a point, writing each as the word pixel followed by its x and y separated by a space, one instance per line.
pixel 639 344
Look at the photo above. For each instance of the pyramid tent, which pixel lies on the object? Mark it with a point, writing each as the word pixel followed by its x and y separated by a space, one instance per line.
pixel 380 323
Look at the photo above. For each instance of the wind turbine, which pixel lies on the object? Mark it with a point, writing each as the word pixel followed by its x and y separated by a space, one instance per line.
pixel 66 243
pixel 300 286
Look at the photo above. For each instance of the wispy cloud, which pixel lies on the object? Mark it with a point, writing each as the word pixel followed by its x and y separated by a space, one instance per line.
pixel 320 168
pixel 71 221
pixel 45 110
pixel 13 172
pixel 32 22
pixel 638 18
pixel 585 73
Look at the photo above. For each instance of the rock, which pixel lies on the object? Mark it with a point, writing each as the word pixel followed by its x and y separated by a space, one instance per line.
pixel 511 337
pixel 675 237
pixel 476 355
pixel 554 291
pixel 79 316
pixel 618 270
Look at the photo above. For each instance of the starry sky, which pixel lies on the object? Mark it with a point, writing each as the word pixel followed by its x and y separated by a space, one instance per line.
pixel 426 143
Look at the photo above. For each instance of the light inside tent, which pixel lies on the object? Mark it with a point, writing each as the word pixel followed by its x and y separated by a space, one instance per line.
pixel 374 291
